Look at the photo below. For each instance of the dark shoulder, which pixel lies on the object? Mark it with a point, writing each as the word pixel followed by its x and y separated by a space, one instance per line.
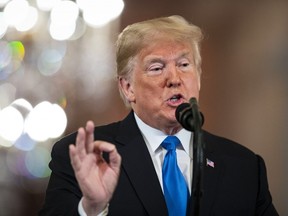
pixel 226 146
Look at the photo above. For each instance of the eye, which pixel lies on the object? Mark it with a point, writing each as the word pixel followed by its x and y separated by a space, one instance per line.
pixel 184 64
pixel 155 68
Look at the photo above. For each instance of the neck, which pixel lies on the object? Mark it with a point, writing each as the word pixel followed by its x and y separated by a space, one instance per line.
pixel 171 130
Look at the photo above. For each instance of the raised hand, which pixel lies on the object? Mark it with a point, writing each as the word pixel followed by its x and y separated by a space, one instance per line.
pixel 97 178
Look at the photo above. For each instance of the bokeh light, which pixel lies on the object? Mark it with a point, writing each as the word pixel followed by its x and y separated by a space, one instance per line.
pixel 63 102
pixel 46 5
pixel 63 20
pixel 25 143
pixel 49 62
pixel 31 164
pixel 3 25
pixel 99 13
pixel 41 121
pixel 29 20
pixel 66 21
pixel 5 55
pixel 18 50
pixel 36 162
pixel 3 2
pixel 19 14
pixel 62 31
pixel 65 11
pixel 22 125
pixel 15 12
pixel 11 58
pixel 58 121
pixel 11 123
pixel 80 29
pixel 22 103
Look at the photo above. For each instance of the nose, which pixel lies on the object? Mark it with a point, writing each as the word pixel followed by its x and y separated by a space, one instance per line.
pixel 173 77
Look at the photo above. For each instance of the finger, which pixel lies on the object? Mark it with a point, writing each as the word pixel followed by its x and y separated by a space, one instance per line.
pixel 74 158
pixel 114 159
pixel 114 156
pixel 102 146
pixel 80 143
pixel 89 136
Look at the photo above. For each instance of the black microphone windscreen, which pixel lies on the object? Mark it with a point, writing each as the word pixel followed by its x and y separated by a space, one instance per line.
pixel 184 115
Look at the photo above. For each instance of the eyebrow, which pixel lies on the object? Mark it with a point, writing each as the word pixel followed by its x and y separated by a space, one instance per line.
pixel 152 60
pixel 155 59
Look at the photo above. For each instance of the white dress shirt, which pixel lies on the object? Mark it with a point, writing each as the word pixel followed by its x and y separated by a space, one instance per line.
pixel 153 139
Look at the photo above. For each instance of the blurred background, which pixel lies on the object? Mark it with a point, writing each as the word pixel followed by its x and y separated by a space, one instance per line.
pixel 57 70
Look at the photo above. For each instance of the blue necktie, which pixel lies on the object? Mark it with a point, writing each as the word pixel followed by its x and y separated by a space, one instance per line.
pixel 175 188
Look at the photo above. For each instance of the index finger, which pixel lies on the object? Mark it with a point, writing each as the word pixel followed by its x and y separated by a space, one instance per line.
pixel 114 157
pixel 89 136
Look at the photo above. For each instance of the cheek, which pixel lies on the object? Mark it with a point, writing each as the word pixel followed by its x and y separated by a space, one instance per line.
pixel 148 85
pixel 193 84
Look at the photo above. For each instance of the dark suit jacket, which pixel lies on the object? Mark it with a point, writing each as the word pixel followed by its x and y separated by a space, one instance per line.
pixel 237 185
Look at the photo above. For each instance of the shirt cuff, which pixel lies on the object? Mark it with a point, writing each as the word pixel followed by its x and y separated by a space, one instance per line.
pixel 83 213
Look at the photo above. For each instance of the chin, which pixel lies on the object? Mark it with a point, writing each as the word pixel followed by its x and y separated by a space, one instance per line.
pixel 172 119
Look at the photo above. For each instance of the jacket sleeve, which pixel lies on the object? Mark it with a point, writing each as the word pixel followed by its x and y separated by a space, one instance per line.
pixel 264 205
pixel 63 193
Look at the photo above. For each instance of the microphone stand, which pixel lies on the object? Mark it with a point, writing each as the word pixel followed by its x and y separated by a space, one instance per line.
pixel 198 158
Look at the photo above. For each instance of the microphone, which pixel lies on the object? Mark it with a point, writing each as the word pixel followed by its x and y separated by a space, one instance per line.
pixel 188 115
pixel 184 115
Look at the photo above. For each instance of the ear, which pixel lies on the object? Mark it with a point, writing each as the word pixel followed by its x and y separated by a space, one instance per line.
pixel 127 89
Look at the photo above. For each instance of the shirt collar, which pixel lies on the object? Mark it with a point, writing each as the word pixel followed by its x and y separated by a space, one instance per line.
pixel 154 137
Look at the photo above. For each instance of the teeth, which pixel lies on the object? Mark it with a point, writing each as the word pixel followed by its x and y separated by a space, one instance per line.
pixel 175 98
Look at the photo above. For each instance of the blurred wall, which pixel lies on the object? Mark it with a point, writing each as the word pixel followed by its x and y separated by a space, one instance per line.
pixel 244 92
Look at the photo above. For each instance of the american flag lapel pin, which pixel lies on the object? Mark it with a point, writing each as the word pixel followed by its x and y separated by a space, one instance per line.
pixel 210 163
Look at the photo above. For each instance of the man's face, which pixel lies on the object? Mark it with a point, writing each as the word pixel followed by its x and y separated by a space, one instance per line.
pixel 164 76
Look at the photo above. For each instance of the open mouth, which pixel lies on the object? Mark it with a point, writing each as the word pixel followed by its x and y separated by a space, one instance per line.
pixel 175 98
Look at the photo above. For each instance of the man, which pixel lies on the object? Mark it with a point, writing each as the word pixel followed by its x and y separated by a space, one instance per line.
pixel 159 68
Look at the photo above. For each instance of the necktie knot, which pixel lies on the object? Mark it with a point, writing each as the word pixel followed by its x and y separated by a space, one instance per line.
pixel 170 143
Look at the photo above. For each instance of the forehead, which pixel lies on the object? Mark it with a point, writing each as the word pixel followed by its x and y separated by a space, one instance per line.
pixel 170 49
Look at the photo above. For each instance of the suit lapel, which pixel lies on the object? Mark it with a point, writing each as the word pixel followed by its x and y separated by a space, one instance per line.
pixel 137 163
pixel 212 175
